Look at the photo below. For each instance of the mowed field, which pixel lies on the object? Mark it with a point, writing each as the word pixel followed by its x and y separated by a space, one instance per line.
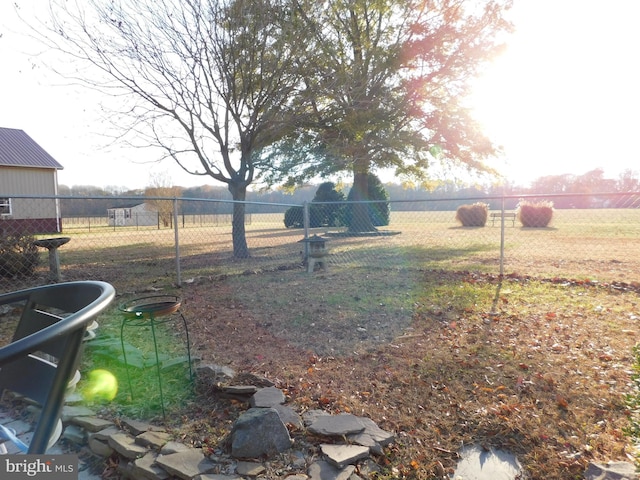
pixel 599 244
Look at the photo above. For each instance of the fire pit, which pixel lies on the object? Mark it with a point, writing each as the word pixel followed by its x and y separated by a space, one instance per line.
pixel 52 244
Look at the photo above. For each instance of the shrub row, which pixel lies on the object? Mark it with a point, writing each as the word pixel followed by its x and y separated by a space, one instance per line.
pixel 336 214
pixel 530 214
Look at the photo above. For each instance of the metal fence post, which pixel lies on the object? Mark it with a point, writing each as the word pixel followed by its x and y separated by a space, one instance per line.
pixel 502 236
pixel 177 242
pixel 305 223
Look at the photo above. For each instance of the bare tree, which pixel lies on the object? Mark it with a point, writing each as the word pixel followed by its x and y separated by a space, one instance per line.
pixel 206 81
pixel 160 185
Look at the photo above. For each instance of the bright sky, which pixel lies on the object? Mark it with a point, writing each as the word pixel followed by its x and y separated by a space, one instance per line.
pixel 564 98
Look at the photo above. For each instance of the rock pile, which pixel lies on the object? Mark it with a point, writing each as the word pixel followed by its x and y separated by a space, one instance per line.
pixel 260 444
pixel 331 447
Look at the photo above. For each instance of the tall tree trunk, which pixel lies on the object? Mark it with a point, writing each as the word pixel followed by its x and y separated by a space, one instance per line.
pixel 239 194
pixel 360 220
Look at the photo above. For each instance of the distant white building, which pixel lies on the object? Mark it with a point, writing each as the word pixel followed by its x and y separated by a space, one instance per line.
pixel 141 214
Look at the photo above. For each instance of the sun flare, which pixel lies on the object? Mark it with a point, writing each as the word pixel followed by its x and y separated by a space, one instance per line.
pixel 563 96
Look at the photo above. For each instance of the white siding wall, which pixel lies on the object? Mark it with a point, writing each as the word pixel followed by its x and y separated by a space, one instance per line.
pixel 29 181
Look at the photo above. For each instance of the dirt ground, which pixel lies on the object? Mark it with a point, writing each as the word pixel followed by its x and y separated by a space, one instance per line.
pixel 545 381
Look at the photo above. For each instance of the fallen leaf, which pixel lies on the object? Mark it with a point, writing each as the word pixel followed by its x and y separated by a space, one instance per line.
pixel 562 402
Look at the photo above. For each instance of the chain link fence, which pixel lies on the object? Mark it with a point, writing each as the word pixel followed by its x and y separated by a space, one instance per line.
pixel 175 240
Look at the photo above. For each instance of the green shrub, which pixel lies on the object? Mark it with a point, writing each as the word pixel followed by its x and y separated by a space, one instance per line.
pixel 294 217
pixel 327 214
pixel 379 212
pixel 18 255
pixel 473 215
pixel 320 215
pixel 535 214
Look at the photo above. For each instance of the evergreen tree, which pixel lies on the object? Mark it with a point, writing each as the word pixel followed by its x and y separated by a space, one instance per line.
pixel 379 212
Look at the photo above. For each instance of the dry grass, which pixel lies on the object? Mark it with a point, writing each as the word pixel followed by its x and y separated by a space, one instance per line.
pixel 536 367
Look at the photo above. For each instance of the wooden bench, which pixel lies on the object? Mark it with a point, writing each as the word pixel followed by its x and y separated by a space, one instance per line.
pixel 495 216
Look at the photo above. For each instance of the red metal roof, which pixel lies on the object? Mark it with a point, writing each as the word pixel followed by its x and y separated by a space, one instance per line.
pixel 17 149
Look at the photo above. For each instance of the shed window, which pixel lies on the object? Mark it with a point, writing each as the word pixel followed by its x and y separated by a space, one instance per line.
pixel 5 206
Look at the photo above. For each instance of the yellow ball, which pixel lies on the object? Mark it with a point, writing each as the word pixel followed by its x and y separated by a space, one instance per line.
pixel 101 385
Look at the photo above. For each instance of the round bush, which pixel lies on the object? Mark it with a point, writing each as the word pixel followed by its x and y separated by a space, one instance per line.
pixel 473 215
pixel 535 214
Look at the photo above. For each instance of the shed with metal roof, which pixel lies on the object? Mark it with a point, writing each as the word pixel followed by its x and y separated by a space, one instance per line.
pixel 28 185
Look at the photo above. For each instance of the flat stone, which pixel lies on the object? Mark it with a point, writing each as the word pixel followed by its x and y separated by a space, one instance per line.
pixel 251 469
pixel 289 416
pixel 336 425
pixel 342 455
pixel 126 445
pixel 136 427
pixel 91 424
pixel 611 471
pixel 477 463
pixel 240 389
pixel 106 433
pixel 267 397
pixel 100 447
pixel 187 464
pixel 71 411
pixel 173 447
pixel 311 416
pixel 258 432
pixel 146 467
pixel 153 439
pixel 74 434
pixel 322 470
pixel 19 426
pixel 372 436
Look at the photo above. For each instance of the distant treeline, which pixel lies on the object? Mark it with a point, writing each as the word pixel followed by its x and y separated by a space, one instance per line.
pixel 445 196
